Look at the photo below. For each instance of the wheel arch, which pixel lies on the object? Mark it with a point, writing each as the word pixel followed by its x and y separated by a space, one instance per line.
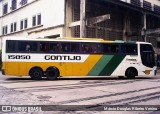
pixel 133 68
pixel 55 68
pixel 35 68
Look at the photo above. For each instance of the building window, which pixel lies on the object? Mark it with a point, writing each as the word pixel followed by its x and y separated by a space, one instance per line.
pixel 5 9
pixel 14 4
pixel 25 23
pixel 5 30
pixel 24 2
pixel 39 19
pixel 34 21
pixel 15 26
pixel 21 25
pixel 11 27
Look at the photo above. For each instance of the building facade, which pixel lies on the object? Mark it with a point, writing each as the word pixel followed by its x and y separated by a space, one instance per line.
pixel 137 20
pixel 32 18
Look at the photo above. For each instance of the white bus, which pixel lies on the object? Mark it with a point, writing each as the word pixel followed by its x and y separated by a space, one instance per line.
pixel 52 58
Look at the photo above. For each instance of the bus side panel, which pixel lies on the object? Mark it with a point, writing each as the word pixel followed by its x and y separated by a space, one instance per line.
pixel 12 68
pixel 128 62
pixel 80 69
pixel 23 69
pixel 98 66
pixel 67 69
pixel 83 69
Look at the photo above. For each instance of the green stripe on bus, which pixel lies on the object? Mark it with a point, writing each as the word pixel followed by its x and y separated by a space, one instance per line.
pixel 112 65
pixel 97 69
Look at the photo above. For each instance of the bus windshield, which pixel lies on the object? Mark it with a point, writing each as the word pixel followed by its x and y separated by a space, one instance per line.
pixel 147 55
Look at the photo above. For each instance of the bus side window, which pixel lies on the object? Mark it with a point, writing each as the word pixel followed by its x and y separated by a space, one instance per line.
pixel 33 46
pixel 128 49
pixel 95 48
pixel 123 49
pixel 44 46
pixel 54 47
pixel 86 48
pixel 22 46
pixel 106 48
pixel 66 47
pixel 11 46
pixel 114 48
pixel 27 46
pixel 74 47
pixel 132 49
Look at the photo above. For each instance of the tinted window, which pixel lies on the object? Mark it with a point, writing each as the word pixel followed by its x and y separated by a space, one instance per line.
pixel 91 48
pixel 25 46
pixel 61 47
pixel 11 46
pixel 128 49
pixel 75 47
pixel 55 47
pixel 96 48
pixel 110 48
pixel 146 47
pixel 114 48
pixel 86 48
pixel 44 46
pixel 66 47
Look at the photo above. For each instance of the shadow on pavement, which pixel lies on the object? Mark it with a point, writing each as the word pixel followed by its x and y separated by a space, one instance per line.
pixel 78 78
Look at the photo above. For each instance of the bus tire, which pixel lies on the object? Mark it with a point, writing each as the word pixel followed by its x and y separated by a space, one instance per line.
pixel 131 73
pixel 36 74
pixel 52 73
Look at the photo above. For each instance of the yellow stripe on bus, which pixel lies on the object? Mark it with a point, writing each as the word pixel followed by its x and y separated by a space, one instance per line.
pixel 66 69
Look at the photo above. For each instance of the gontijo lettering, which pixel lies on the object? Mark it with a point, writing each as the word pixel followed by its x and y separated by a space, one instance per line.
pixel 54 57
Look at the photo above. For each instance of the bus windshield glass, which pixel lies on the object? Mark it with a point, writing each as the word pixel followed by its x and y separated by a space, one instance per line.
pixel 147 55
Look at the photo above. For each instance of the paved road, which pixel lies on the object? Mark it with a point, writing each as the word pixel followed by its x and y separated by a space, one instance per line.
pixel 81 91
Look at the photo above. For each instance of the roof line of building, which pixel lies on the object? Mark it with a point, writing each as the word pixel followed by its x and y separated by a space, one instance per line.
pixel 130 6
pixel 43 29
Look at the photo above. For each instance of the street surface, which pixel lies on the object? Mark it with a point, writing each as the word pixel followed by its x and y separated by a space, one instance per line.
pixel 81 91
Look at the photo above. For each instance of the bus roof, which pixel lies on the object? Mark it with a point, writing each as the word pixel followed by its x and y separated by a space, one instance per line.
pixel 73 39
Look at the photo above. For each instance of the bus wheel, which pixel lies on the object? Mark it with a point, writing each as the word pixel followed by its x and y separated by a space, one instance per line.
pixel 131 73
pixel 52 73
pixel 36 74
